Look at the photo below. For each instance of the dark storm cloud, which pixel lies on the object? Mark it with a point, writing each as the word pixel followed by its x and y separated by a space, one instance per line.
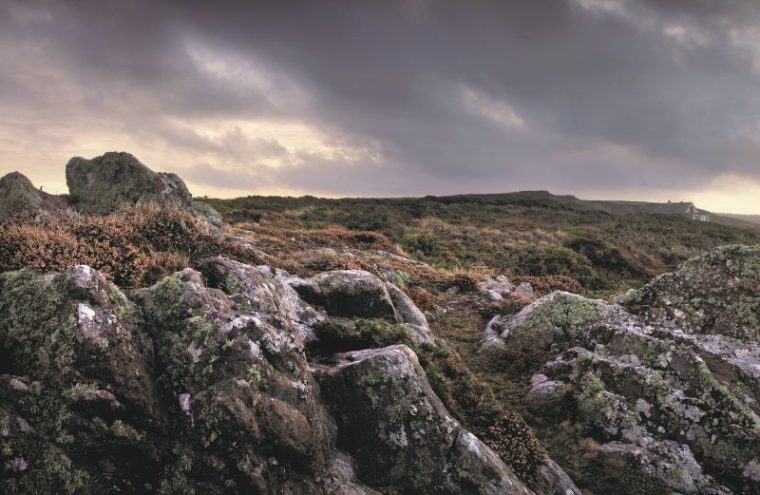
pixel 416 96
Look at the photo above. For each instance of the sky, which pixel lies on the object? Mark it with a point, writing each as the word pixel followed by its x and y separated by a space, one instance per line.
pixel 606 99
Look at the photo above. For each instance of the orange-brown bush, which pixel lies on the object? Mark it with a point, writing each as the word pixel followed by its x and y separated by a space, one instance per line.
pixel 421 298
pixel 516 443
pixel 132 247
pixel 464 282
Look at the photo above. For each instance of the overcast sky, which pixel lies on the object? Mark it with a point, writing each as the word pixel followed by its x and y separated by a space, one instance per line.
pixel 633 99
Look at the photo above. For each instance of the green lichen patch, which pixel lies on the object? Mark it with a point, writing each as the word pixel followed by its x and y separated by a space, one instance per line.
pixel 716 293
pixel 343 334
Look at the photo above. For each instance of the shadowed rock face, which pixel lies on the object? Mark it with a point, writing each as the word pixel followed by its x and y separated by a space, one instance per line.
pixel 18 194
pixel 106 183
pixel 201 384
pixel 399 432
pixel 670 387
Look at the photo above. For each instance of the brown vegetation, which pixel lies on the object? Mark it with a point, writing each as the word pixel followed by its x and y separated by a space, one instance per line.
pixel 132 247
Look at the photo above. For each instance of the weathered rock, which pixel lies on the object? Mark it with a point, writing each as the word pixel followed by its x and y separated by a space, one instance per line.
pixel 496 288
pixel 678 405
pixel 352 293
pixel 408 312
pixel 716 293
pixel 552 480
pixel 79 377
pixel 18 194
pixel 200 384
pixel 402 437
pixel 116 179
pixel 356 293
pixel 262 290
pixel 207 213
pixel 251 396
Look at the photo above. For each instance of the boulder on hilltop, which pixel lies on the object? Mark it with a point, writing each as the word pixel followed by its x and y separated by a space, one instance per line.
pixel 18 194
pixel 116 179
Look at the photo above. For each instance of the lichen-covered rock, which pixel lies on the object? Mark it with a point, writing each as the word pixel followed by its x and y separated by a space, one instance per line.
pixel 360 294
pixel 353 293
pixel 116 179
pixel 18 194
pixel 241 386
pixel 207 213
pixel 185 390
pixel 679 406
pixel 399 432
pixel 201 384
pixel 73 374
pixel 550 324
pixel 716 293
pixel 262 290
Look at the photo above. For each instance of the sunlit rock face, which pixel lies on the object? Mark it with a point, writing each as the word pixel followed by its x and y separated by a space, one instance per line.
pixel 668 380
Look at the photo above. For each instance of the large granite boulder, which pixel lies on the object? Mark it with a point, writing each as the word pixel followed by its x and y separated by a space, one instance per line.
pixel 669 388
pixel 116 179
pixel 74 376
pixel 18 194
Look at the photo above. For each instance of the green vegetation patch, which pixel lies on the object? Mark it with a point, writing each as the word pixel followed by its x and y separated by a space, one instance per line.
pixel 344 334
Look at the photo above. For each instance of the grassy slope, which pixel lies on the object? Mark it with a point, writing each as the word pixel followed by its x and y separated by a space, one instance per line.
pixel 526 233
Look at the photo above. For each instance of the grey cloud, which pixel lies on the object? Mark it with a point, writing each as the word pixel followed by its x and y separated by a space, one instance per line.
pixel 655 94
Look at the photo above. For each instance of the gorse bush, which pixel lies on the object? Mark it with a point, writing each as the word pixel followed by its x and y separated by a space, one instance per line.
pixel 132 247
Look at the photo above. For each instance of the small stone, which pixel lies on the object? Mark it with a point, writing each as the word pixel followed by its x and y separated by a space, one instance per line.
pixel 184 403
pixel 18 385
pixel 18 464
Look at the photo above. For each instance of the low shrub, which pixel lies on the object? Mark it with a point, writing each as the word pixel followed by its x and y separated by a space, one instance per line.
pixel 474 404
pixel 344 334
pixel 516 443
pixel 421 298
pixel 131 247
pixel 549 283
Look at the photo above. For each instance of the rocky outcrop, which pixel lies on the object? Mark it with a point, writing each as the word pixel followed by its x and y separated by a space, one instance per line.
pixel 716 293
pixel 360 294
pixel 207 213
pixel 348 293
pixel 399 432
pixel 201 384
pixel 18 194
pixel 500 287
pixel 669 387
pixel 114 180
